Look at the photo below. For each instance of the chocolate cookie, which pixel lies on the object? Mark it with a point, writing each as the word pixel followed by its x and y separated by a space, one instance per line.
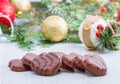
pixel 46 64
pixel 42 54
pixel 78 62
pixel 69 60
pixel 35 64
pixel 94 64
pixel 17 65
pixel 59 54
pixel 27 59
pixel 63 65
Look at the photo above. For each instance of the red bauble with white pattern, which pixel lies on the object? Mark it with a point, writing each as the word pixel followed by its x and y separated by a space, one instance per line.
pixel 7 9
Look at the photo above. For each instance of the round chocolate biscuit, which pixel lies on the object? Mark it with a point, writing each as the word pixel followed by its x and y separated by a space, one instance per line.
pixel 46 64
pixel 63 65
pixel 78 62
pixel 27 59
pixel 94 64
pixel 35 64
pixel 59 54
pixel 69 61
pixel 17 65
pixel 42 54
pixel 92 56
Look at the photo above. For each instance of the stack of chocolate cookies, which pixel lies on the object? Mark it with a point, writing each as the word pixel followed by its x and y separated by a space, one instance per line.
pixel 51 63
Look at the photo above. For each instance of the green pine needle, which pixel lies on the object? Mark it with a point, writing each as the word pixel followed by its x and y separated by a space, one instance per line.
pixel 107 41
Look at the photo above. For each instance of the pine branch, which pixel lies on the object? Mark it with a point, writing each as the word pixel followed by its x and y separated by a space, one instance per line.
pixel 109 41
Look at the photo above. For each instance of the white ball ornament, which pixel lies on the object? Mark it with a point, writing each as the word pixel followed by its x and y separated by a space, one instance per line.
pixel 88 29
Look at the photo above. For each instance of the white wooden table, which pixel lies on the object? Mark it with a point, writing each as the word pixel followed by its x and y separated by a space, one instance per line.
pixel 10 51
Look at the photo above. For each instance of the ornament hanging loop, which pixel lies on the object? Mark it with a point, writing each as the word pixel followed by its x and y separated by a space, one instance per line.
pixel 12 27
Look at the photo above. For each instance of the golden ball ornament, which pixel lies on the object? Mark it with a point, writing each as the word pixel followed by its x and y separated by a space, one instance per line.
pixel 54 28
pixel 94 1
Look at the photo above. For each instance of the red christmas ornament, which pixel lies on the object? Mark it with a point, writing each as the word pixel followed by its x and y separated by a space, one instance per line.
pixel 118 16
pixel 103 10
pixel 7 13
pixel 55 2
pixel 98 34
pixel 112 0
pixel 100 27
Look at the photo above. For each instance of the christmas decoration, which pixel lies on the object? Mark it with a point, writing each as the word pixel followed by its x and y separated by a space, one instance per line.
pixel 56 2
pixel 100 27
pixel 110 36
pixel 7 13
pixel 88 1
pixel 118 16
pixel 96 33
pixel 88 31
pixel 113 0
pixel 73 12
pixel 94 1
pixel 54 28
pixel 22 5
pixel 103 10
